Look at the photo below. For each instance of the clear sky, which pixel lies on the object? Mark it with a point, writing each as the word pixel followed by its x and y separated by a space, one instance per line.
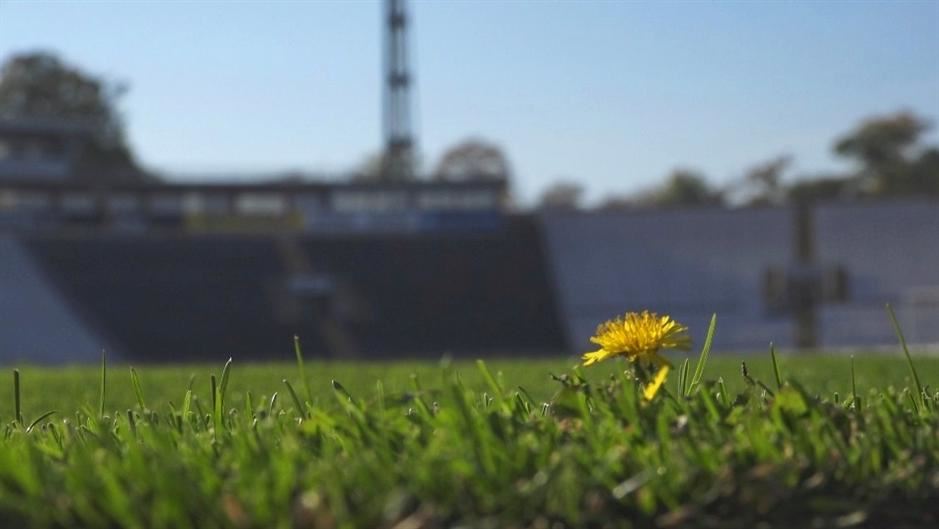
pixel 612 94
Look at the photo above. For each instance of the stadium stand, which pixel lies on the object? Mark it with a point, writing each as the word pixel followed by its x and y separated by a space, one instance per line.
pixel 470 292
pixel 205 297
pixel 172 298
pixel 38 325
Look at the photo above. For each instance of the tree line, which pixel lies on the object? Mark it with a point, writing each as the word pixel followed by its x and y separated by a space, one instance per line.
pixel 888 155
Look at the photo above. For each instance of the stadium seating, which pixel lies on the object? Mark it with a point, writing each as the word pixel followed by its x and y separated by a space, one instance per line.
pixel 173 298
pixel 485 292
pixel 205 297
pixel 38 326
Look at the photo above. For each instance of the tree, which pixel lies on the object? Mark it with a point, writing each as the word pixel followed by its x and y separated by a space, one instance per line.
pixel 764 181
pixel 923 174
pixel 684 187
pixel 618 202
pixel 882 140
pixel 473 159
pixel 822 187
pixel 563 195
pixel 40 86
pixel 885 149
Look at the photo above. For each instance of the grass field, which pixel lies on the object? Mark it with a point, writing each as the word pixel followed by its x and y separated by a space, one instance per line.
pixel 421 445
pixel 66 389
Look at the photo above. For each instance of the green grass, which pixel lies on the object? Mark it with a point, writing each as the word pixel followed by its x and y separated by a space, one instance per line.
pixel 66 389
pixel 500 445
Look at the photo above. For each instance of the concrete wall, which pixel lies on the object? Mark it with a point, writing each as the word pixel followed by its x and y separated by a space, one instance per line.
pixel 891 253
pixel 688 263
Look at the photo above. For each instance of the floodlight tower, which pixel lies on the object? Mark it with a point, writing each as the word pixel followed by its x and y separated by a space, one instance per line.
pixel 398 161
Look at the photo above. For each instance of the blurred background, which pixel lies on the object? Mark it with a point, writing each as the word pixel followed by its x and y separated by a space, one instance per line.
pixel 187 181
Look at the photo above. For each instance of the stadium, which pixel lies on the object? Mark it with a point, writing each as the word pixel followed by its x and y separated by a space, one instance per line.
pixel 701 293
pixel 362 270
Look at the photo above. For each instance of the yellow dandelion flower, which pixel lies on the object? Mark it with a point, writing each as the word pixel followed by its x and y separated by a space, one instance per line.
pixel 639 337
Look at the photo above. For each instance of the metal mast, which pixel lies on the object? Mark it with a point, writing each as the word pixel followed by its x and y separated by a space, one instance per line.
pixel 398 160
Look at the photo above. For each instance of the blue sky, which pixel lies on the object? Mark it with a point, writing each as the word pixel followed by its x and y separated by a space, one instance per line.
pixel 612 94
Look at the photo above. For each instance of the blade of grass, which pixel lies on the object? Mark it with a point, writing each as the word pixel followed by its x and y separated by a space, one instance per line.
pixel 752 381
pixel 856 401
pixel 723 390
pixel 772 354
pixel 380 394
pixel 38 420
pixel 683 377
pixel 339 389
pixel 216 404
pixel 223 385
pixel 249 405
pixel 16 397
pixel 906 351
pixel 138 391
pixel 273 403
pixel 104 375
pixel 132 422
pixel 490 380
pixel 187 404
pixel 909 395
pixel 306 383
pixel 296 399
pixel 702 360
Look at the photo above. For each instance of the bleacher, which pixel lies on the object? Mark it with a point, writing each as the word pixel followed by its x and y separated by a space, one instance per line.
pixel 174 298
pixel 38 326
pixel 422 294
pixel 205 297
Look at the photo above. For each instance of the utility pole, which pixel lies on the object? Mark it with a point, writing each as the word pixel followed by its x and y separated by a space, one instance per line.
pixel 805 281
pixel 802 288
